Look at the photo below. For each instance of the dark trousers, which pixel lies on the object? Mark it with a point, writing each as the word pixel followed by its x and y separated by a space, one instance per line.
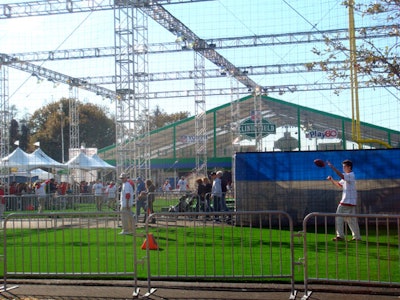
pixel 217 205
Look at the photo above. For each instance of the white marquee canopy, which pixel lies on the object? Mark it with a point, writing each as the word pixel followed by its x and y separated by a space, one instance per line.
pixel 38 159
pixel 85 162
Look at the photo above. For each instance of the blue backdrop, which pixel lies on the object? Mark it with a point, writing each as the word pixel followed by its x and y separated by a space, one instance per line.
pixel 290 181
pixel 284 166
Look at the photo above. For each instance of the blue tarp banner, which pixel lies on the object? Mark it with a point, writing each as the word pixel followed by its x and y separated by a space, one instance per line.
pixel 299 166
pixel 290 181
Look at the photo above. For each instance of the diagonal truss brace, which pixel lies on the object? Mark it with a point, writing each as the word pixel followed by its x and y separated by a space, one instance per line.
pixel 46 7
pixel 54 76
pixel 175 26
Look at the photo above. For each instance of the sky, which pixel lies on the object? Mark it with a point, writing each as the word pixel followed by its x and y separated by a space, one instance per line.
pixel 209 19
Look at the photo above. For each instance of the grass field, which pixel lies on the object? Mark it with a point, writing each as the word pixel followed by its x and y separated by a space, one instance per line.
pixel 201 252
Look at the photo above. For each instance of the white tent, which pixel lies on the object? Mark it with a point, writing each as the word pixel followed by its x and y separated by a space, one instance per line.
pixel 22 160
pixel 19 159
pixel 102 163
pixel 85 162
pixel 84 167
pixel 48 162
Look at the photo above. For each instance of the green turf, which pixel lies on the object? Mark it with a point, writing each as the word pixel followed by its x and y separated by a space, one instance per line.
pixel 235 252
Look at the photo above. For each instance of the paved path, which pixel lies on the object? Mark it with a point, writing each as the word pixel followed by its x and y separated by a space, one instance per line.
pixel 74 289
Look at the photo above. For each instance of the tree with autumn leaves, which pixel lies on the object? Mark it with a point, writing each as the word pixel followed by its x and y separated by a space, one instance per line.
pixel 96 127
pixel 377 46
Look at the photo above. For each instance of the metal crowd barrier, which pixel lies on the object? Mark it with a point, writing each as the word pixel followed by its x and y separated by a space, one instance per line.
pixel 187 201
pixel 220 246
pixel 372 261
pixel 64 245
pixel 61 245
pixel 53 202
pixel 164 202
pixel 253 246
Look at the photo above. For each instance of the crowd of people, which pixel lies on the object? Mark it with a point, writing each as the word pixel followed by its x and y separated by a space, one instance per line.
pixel 209 192
pixel 41 189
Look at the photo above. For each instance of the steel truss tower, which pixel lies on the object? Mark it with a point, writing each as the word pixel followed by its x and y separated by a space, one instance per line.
pixel 74 142
pixel 258 120
pixel 200 114
pixel 132 87
pixel 235 114
pixel 4 112
pixel 4 117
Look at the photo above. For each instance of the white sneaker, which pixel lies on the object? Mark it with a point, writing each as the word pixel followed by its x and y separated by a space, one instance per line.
pixel 125 232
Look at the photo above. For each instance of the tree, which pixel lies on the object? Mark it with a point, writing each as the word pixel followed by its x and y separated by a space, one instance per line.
pixel 160 118
pixel 14 133
pixel 24 136
pixel 95 128
pixel 19 134
pixel 377 61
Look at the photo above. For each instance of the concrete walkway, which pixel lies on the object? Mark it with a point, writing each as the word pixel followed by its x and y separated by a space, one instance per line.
pixel 85 289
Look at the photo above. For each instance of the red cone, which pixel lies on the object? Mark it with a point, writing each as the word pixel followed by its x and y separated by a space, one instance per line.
pixel 152 242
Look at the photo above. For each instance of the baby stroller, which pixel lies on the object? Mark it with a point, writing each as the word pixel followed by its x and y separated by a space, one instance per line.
pixel 186 203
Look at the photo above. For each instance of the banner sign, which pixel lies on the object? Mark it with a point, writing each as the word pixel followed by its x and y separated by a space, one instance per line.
pixel 327 134
pixel 248 128
pixel 191 139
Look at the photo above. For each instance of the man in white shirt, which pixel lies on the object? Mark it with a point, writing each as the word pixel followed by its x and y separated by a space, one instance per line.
pixel 111 191
pixel 348 202
pixel 126 202
pixel 182 184
pixel 40 192
pixel 98 190
pixel 166 186
pixel 216 193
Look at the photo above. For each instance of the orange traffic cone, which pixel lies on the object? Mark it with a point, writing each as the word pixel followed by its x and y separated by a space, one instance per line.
pixel 152 243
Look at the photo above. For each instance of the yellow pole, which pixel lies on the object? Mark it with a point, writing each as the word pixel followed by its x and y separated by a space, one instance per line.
pixel 355 127
pixel 355 109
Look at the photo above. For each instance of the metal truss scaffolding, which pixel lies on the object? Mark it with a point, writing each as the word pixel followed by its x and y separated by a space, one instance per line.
pixel 200 115
pixel 74 118
pixel 175 26
pixel 130 51
pixel 56 77
pixel 257 116
pixel 4 112
pixel 132 106
pixel 50 75
pixel 235 114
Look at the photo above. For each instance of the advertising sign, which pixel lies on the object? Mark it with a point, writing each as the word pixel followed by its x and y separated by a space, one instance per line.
pixel 326 134
pixel 248 128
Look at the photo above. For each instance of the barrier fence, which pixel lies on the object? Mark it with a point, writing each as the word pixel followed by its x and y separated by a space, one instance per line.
pixel 258 246
pixel 87 202
pixel 375 260
pixel 238 246
pixel 233 245
pixel 52 202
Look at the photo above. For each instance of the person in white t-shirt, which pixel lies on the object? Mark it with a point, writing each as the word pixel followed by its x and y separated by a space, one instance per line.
pixel 40 192
pixel 98 190
pixel 182 184
pixel 111 191
pixel 126 202
pixel 348 203
pixel 166 186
